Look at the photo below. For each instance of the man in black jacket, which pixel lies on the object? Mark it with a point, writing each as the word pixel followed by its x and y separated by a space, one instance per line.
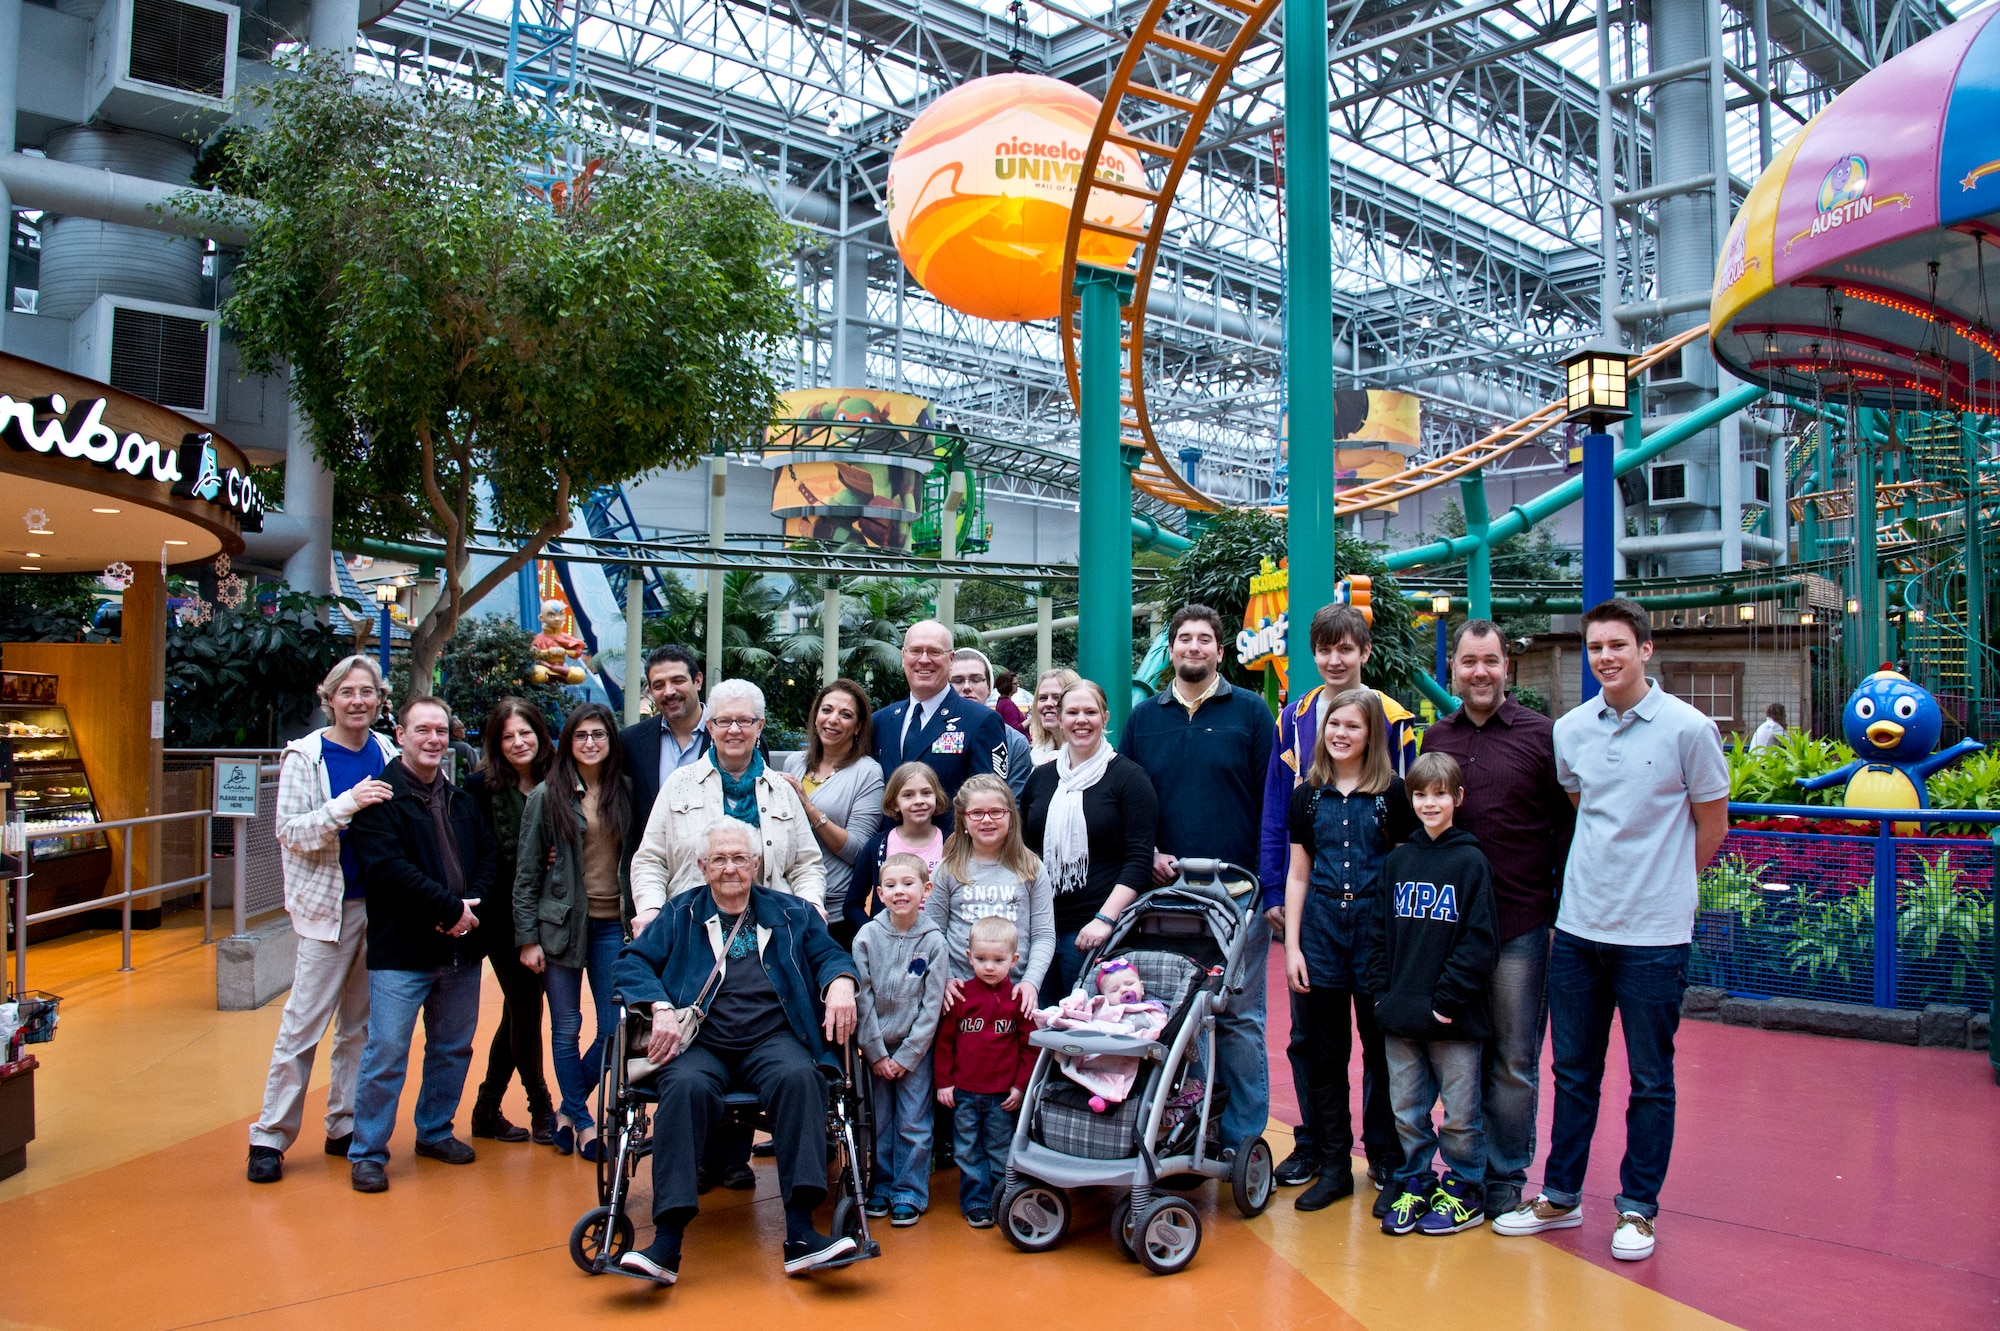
pixel 672 737
pixel 427 861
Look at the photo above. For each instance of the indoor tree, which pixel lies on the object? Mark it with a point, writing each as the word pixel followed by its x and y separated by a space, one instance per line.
pixel 473 352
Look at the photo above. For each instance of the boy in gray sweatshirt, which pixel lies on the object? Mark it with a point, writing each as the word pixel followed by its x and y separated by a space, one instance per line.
pixel 903 964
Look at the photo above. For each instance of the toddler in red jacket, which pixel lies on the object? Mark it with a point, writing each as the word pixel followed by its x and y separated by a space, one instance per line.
pixel 981 1065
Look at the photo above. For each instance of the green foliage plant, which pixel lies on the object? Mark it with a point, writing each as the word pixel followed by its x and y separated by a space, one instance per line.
pixel 1944 926
pixel 247 678
pixel 472 352
pixel 490 658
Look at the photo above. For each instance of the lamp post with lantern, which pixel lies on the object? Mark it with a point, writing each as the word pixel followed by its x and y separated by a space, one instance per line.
pixel 1597 394
pixel 386 592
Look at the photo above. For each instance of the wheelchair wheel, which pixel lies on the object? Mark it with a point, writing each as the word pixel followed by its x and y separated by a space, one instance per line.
pixel 1034 1216
pixel 1166 1236
pixel 1121 1228
pixel 846 1219
pixel 600 1235
pixel 1250 1177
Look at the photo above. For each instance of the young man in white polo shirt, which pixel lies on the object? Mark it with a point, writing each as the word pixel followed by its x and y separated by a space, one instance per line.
pixel 1651 787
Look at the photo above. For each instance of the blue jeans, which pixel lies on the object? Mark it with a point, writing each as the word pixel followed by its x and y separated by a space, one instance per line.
pixel 1067 966
pixel 577 1073
pixel 1587 983
pixel 1518 996
pixel 1239 1042
pixel 982 1135
pixel 448 999
pixel 1420 1073
pixel 903 1118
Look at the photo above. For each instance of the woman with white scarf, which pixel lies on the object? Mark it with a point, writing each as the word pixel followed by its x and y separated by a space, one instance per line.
pixel 1090 815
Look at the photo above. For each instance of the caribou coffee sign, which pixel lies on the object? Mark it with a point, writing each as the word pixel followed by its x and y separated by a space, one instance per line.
pixel 192 469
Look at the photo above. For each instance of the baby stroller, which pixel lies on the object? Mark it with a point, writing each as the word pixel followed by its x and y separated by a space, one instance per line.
pixel 1186 942
pixel 603 1234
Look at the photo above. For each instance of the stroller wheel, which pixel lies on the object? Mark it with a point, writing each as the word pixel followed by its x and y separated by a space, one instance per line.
pixel 1250 1177
pixel 1166 1236
pixel 600 1237
pixel 1121 1228
pixel 1034 1216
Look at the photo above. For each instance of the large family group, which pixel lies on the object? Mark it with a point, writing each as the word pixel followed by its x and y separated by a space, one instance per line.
pixel 922 877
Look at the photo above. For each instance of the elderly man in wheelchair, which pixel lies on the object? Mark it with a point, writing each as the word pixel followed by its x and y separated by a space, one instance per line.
pixel 743 984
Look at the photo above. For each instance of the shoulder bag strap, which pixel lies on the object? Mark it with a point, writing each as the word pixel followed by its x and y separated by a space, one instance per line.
pixel 714 980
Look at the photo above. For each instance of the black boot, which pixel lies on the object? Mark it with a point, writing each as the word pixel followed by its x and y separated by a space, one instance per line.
pixel 1334 1182
pixel 542 1126
pixel 489 1122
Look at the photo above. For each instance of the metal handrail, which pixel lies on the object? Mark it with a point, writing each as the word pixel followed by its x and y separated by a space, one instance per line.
pixel 17 827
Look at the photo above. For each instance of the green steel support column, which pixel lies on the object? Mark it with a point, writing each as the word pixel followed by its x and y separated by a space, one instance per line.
pixel 1975 582
pixel 1867 577
pixel 1104 554
pixel 1309 540
pixel 1479 560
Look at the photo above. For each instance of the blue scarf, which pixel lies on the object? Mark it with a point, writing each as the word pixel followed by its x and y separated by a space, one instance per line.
pixel 739 793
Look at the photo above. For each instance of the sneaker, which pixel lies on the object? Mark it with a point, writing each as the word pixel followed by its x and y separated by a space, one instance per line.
pixel 1411 1200
pixel 368 1176
pixel 450 1150
pixel 1381 1173
pixel 267 1164
pixel 1391 1190
pixel 739 1178
pixel 1632 1241
pixel 1537 1216
pixel 1455 1206
pixel 877 1208
pixel 658 1267
pixel 1333 1183
pixel 903 1216
pixel 338 1145
pixel 1297 1169
pixel 802 1255
pixel 979 1218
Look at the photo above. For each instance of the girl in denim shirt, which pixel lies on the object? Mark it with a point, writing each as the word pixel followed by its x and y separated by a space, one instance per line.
pixel 1344 818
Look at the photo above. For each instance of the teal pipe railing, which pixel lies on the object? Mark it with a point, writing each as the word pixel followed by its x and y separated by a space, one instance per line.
pixel 1521 517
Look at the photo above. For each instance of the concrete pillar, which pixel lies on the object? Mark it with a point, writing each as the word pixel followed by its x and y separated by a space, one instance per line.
pixel 635 642
pixel 309 498
pixel 718 497
pixel 954 499
pixel 336 26
pixel 829 630
pixel 849 368
pixel 1045 650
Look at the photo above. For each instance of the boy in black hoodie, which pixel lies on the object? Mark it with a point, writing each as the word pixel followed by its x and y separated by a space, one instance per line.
pixel 1435 945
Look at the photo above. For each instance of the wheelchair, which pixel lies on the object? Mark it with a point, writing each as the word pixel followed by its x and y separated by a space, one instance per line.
pixel 625 1107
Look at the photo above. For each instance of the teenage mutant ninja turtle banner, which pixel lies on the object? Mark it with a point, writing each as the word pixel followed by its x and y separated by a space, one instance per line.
pixel 848 465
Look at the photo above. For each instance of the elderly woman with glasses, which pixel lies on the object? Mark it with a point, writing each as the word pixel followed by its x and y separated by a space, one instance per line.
pixel 786 992
pixel 730 782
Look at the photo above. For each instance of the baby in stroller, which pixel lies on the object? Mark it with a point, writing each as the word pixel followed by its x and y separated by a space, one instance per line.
pixel 1119 1007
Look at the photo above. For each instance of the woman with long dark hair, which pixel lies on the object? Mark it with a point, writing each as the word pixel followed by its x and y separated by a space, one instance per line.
pixel 516 757
pixel 842 789
pixel 573 901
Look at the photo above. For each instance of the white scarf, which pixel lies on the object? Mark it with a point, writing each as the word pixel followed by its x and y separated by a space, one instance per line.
pixel 1065 839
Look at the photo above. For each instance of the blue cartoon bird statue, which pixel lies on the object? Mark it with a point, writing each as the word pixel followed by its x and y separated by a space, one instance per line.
pixel 1892 725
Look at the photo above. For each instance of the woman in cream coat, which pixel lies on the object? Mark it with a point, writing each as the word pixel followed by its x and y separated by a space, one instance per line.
pixel 730 781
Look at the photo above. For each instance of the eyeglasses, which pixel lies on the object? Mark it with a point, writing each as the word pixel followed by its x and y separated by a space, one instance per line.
pixel 984 815
pixel 927 653
pixel 734 723
pixel 591 736
pixel 365 694
pixel 730 861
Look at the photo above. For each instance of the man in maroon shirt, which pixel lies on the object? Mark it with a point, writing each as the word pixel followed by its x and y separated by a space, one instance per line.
pixel 1524 820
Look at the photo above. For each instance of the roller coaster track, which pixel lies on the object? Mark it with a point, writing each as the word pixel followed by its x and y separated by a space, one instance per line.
pixel 1165 144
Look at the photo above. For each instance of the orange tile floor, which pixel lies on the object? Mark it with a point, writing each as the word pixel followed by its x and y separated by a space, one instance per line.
pixel 134 1213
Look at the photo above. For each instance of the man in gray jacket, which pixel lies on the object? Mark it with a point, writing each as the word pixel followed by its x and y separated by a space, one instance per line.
pixel 901 958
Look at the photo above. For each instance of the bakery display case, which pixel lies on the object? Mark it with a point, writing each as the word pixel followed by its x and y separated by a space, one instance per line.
pixel 43 770
pixel 39 759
